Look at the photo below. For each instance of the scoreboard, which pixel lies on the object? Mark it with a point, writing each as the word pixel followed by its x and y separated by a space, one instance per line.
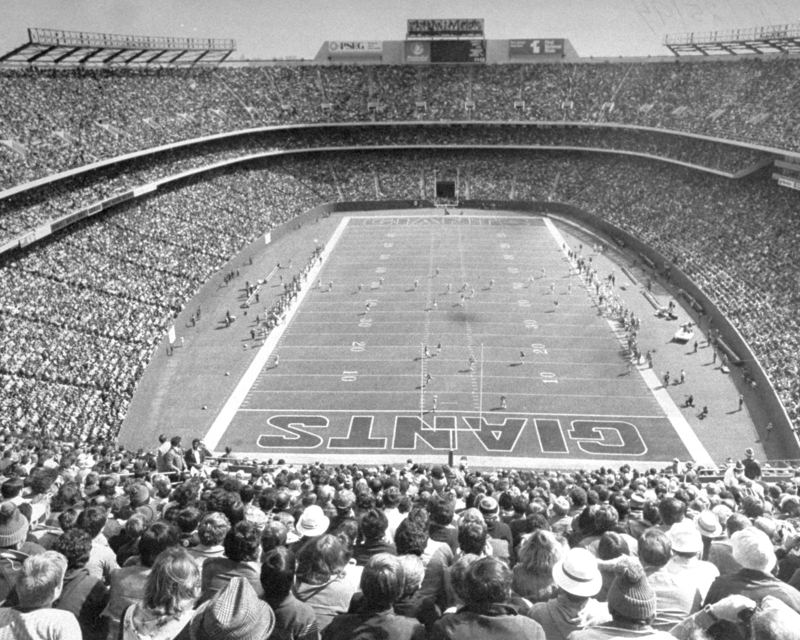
pixel 445 51
pixel 466 51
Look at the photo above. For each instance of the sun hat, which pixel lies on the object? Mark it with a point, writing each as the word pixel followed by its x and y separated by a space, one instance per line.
pixel 488 507
pixel 708 524
pixel 578 574
pixel 630 594
pixel 13 525
pixel 753 550
pixel 685 537
pixel 235 613
pixel 313 522
pixel 637 501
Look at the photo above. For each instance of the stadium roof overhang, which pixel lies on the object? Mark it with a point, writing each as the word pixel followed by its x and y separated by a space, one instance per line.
pixel 70 48
pixel 772 39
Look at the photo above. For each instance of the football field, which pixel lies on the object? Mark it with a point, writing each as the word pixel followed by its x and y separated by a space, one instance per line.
pixel 423 334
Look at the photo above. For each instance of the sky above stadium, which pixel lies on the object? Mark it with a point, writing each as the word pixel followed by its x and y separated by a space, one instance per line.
pixel 265 29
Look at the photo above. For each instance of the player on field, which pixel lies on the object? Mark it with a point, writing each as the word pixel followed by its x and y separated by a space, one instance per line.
pixel 502 402
pixel 435 401
pixel 416 284
pixel 471 361
pixel 522 356
pixel 491 282
pixel 276 361
pixel 449 287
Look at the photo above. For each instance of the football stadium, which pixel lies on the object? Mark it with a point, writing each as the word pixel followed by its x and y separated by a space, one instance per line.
pixel 446 326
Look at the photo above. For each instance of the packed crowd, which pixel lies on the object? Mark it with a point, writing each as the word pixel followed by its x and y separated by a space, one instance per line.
pixel 66 118
pixel 102 543
pixel 108 289
pixel 37 205
pixel 81 315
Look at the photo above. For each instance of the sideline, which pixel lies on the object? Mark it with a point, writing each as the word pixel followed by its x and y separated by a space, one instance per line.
pixel 234 402
pixel 684 430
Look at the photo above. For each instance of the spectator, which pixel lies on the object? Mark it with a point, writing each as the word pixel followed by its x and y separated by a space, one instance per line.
pixel 236 613
pixel 753 551
pixel 373 529
pixel 632 605
pixel 38 586
pixel 487 613
pixel 170 592
pixel 382 585
pixel 83 594
pixel 294 620
pixel 574 607
pixel 321 579
pixel 533 575
pixel 242 551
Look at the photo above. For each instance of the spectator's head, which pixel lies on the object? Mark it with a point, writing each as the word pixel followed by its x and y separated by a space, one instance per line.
pixel 188 519
pixel 488 583
pixel 374 525
pixel 68 519
pixel 411 538
pixel 577 574
pixel 158 537
pixel 605 519
pixel 313 522
pixel 612 545
pixel 752 549
pixel 458 575
pixel 235 613
pixel 321 559
pixel 382 582
pixel 737 522
pixel 226 502
pixel 175 441
pixel 655 548
pixel 212 529
pixel 708 524
pixel 686 539
pixel 139 495
pixel 277 573
pixel 11 488
pixel 472 537
pixel 13 526
pixel 672 511
pixel 273 535
pixel 40 580
pixel 92 520
pixel 413 572
pixel 75 545
pixel 489 509
pixel 539 553
pixel 173 585
pixel 630 598
pixel 442 511
pixel 242 543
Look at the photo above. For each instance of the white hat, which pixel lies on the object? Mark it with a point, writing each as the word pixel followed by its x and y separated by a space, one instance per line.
pixel 313 522
pixel 708 524
pixel 578 574
pixel 685 537
pixel 753 550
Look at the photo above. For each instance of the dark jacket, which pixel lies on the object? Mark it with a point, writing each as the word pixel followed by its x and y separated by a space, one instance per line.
pixel 499 622
pixel 373 626
pixel 85 596
pixel 755 585
pixel 294 620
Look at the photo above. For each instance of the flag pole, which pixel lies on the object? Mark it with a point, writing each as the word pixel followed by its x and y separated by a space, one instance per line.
pixel 480 392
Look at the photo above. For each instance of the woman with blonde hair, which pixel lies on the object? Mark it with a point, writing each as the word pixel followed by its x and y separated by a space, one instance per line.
pixel 172 589
pixel 533 573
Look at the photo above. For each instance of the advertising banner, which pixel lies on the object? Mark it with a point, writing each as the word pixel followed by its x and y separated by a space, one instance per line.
pixel 355 48
pixel 459 27
pixel 417 51
pixel 789 182
pixel 528 48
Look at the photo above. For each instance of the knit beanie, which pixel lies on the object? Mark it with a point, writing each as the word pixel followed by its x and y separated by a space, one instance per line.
pixel 13 525
pixel 630 594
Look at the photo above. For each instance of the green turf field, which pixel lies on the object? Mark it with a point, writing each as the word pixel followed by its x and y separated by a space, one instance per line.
pixel 354 384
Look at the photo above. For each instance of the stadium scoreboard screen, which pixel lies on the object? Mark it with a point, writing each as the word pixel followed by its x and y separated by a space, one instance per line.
pixel 469 51
pixel 445 51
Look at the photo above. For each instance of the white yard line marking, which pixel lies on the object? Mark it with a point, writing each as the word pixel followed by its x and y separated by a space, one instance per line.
pixel 234 402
